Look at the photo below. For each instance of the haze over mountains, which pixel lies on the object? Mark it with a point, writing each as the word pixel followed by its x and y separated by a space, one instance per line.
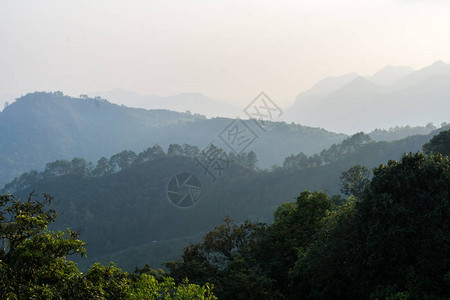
pixel 193 102
pixel 44 127
pixel 93 128
pixel 393 96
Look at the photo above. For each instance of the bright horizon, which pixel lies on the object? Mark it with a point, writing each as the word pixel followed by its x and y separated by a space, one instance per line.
pixel 228 51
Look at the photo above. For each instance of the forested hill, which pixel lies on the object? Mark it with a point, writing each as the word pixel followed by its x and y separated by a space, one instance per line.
pixel 42 127
pixel 121 214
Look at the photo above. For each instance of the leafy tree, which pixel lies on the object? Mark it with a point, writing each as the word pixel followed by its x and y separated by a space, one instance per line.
pixel 34 264
pixel 102 168
pixel 158 274
pixel 191 151
pixel 315 160
pixel 240 158
pixel 391 244
pixel 354 180
pixel 403 225
pixel 57 168
pixel 295 224
pixel 323 270
pixel 194 263
pixel 331 154
pixel 299 161
pixel 219 246
pixel 151 153
pixel 439 144
pixel 148 287
pixel 224 259
pixel 79 166
pixel 175 150
pixel 32 259
pixel 108 281
pixel 25 181
pixel 349 145
pixel 122 160
pixel 252 160
pixel 302 161
pixel 355 141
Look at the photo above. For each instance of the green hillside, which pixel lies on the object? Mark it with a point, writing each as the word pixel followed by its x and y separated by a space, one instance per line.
pixel 121 212
pixel 42 127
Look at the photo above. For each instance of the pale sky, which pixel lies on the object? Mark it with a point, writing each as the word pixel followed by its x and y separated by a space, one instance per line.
pixel 229 49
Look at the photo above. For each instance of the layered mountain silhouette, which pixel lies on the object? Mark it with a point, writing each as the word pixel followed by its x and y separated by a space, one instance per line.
pixel 393 96
pixel 44 127
pixel 127 216
pixel 193 102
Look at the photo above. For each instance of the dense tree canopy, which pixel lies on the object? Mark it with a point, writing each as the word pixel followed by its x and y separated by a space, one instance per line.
pixel 390 242
pixel 34 262
pixel 354 181
pixel 439 144
pixel 393 243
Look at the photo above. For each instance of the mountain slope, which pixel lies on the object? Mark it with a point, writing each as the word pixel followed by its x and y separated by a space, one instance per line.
pixel 122 214
pixel 389 75
pixel 194 102
pixel 339 109
pixel 438 68
pixel 43 127
pixel 416 98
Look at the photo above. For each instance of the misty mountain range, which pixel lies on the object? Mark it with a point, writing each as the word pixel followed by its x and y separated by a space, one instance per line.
pixel 44 127
pixel 392 96
pixel 348 103
pixel 192 102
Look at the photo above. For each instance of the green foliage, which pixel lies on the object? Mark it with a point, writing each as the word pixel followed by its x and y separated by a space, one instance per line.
pixel 114 212
pixel 354 181
pixel 249 160
pixel 393 243
pixel 34 263
pixel 253 261
pixel 147 287
pixel 118 162
pixel 439 144
pixel 252 160
pixel 33 260
pixel 93 127
pixel 102 168
pixel 400 132
pixel 122 160
pixel 150 154
pixel 322 271
pixel 350 144
pixel 295 224
pixel 404 221
pixel 175 150
pixel 223 258
pixel 334 153
pixel 95 204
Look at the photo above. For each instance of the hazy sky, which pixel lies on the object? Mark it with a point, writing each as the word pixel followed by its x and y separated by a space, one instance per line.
pixel 224 49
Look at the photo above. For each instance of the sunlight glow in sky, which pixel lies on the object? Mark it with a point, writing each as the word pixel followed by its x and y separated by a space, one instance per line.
pixel 225 49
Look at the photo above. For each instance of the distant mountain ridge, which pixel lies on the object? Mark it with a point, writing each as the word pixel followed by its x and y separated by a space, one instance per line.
pixel 193 102
pixel 389 75
pixel 393 96
pixel 43 127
